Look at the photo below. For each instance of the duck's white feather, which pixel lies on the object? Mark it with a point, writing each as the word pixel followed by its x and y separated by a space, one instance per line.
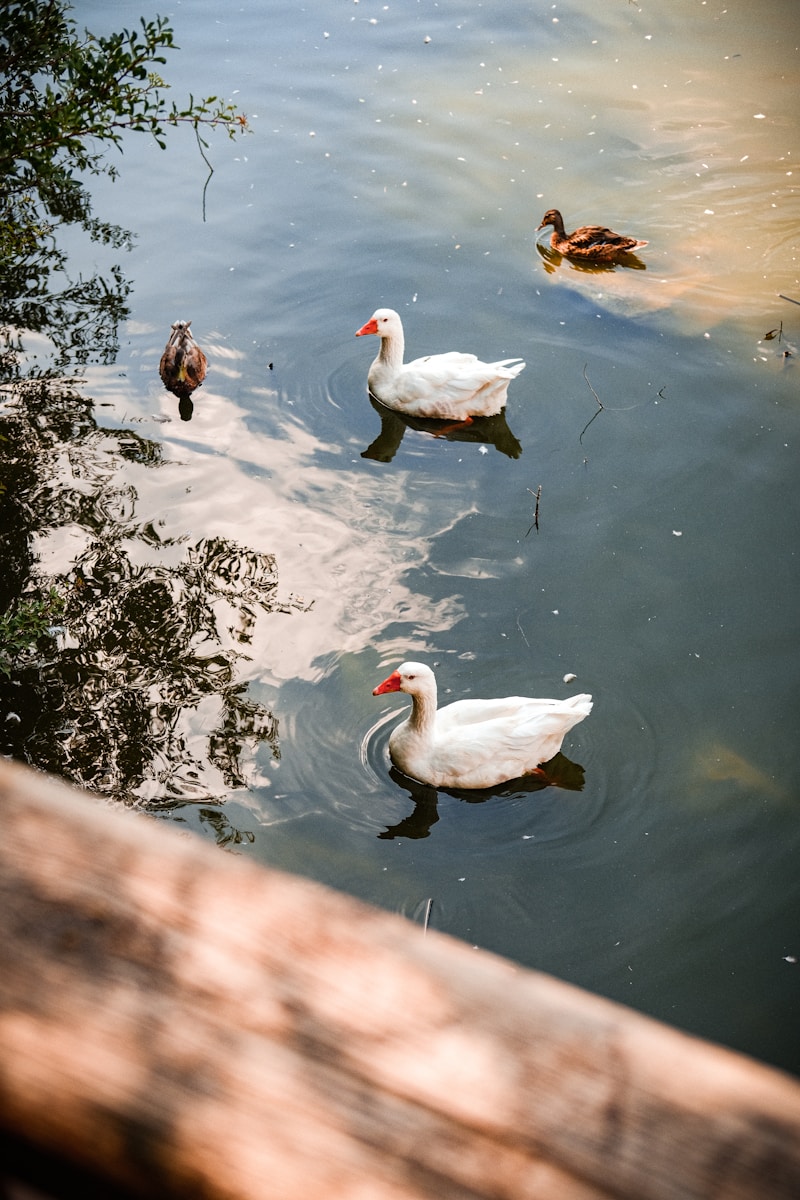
pixel 451 385
pixel 476 743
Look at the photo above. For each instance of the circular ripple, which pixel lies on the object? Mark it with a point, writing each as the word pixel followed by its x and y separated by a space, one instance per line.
pixel 374 748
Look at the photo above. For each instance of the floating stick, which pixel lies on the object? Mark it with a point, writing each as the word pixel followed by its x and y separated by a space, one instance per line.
pixel 537 496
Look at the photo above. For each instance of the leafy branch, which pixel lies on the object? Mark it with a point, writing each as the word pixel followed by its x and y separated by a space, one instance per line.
pixel 65 97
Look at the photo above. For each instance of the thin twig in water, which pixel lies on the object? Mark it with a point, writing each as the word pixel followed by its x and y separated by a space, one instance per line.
pixel 537 496
pixel 522 631
pixel 789 298
pixel 428 908
pixel 597 398
pixel 602 407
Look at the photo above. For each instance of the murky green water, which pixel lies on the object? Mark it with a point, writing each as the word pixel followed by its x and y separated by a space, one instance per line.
pixel 384 169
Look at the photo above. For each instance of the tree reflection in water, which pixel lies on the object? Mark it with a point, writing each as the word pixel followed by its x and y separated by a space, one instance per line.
pixel 136 697
pixel 135 694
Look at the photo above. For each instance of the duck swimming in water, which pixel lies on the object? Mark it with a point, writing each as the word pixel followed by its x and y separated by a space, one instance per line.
pixel 452 385
pixel 183 363
pixel 590 243
pixel 475 743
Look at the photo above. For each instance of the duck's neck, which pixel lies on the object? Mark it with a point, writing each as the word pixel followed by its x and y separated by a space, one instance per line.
pixel 423 712
pixel 558 224
pixel 391 352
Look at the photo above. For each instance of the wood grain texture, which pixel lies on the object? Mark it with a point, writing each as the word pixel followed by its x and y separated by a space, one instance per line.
pixel 186 1023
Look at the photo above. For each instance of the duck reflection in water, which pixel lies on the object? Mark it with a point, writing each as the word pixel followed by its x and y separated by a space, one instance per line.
pixel 185 408
pixel 490 431
pixel 553 260
pixel 182 367
pixel 559 772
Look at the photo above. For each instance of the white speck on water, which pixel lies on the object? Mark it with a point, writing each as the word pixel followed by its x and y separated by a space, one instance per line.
pixel 677 533
pixel 482 450
pixel 759 116
pixel 568 678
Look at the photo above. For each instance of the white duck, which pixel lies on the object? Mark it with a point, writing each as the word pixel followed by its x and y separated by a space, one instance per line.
pixel 440 385
pixel 475 743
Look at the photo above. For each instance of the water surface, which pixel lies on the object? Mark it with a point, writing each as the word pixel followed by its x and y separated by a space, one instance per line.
pixel 384 168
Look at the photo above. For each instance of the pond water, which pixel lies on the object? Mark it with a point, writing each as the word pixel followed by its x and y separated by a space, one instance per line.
pixel 402 155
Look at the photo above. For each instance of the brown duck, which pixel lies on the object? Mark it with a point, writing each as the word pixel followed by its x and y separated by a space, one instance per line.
pixel 183 364
pixel 592 243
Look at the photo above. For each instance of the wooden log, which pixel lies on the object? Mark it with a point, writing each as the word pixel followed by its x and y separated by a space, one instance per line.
pixel 186 1023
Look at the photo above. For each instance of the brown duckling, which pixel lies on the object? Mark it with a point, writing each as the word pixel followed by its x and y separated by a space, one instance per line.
pixel 183 363
pixel 592 243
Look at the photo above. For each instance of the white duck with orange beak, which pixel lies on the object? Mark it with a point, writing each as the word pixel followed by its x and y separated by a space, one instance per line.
pixel 446 386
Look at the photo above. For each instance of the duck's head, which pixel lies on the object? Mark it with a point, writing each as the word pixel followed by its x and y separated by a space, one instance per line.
pixel 551 217
pixel 384 321
pixel 411 677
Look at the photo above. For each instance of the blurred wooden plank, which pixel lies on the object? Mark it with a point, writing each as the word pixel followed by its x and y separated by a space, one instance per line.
pixel 185 1023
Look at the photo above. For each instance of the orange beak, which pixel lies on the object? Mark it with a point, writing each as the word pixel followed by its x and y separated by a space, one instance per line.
pixel 370 327
pixel 392 684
